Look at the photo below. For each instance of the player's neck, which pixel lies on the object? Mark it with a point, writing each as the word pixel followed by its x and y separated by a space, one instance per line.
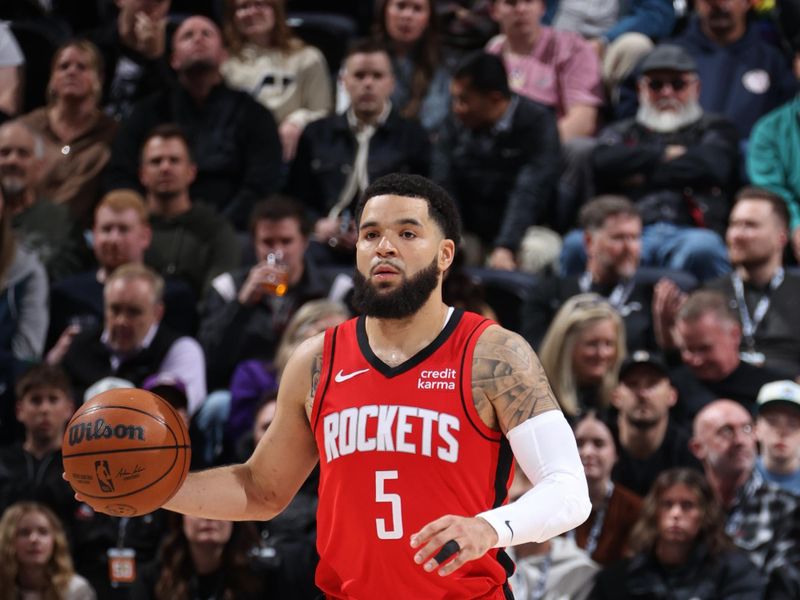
pixel 394 341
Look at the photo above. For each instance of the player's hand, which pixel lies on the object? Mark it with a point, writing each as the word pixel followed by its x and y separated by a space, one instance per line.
pixel 473 535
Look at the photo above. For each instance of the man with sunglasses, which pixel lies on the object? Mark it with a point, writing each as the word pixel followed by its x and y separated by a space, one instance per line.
pixel 676 162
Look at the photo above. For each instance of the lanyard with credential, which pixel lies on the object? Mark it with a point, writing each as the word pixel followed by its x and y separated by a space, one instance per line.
pixel 750 324
pixel 618 296
pixel 599 520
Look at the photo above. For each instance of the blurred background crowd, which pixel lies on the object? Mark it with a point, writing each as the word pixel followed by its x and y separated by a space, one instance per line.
pixel 177 185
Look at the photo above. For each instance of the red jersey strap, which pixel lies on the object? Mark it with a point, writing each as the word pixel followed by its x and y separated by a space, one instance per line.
pixel 328 348
pixel 467 400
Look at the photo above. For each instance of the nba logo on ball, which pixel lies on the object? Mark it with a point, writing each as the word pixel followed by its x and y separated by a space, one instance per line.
pixel 103 474
pixel 126 452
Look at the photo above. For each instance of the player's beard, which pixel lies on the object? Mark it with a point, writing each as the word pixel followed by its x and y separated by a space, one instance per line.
pixel 400 303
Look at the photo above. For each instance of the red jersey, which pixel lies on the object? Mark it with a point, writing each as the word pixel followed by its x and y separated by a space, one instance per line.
pixel 400 447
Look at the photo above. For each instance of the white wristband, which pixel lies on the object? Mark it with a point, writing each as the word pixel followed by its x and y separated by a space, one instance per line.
pixel 544 447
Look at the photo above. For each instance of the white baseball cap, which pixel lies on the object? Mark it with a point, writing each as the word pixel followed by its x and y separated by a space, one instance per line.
pixel 785 391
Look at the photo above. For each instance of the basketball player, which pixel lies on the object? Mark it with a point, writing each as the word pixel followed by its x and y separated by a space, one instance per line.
pixel 413 411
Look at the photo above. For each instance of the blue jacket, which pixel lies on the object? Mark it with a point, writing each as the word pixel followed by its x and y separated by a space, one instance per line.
pixel 743 80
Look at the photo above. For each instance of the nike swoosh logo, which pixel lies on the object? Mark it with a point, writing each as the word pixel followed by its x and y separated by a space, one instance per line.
pixel 340 376
pixel 508 524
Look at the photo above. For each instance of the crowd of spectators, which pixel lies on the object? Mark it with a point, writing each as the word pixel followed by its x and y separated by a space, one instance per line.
pixel 177 186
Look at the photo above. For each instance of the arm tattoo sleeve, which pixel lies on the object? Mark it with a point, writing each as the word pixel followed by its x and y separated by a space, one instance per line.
pixel 507 374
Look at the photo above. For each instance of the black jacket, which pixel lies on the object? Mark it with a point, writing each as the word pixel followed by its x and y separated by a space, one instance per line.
pixel 23 477
pixel 693 189
pixel 727 576
pixel 234 142
pixel 327 150
pixel 88 360
pixel 231 332
pixel 504 179
pixel 547 298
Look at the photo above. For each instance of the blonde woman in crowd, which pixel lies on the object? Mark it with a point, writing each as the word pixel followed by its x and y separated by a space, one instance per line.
pixel 277 68
pixel 77 133
pixel 582 352
pixel 35 563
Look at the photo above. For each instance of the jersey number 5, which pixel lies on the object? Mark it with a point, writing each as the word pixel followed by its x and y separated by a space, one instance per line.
pixel 395 531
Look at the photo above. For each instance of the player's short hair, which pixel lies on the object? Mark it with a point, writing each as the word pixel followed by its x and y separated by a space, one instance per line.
pixel 594 213
pixel 43 376
pixel 441 206
pixel 130 271
pixel 483 73
pixel 777 203
pixel 278 207
pixel 122 200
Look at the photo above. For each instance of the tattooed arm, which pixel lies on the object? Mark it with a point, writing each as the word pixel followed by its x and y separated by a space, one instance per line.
pixel 509 385
pixel 262 487
pixel 511 392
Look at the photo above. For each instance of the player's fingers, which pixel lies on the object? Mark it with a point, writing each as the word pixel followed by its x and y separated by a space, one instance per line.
pixel 431 529
pixel 437 551
pixel 460 558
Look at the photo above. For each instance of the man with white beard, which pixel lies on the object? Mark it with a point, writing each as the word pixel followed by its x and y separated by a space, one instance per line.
pixel 676 162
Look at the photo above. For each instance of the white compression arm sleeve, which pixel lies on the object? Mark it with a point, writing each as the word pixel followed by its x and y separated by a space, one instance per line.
pixel 545 449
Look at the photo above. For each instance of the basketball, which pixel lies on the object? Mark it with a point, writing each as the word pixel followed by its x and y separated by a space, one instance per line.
pixel 126 451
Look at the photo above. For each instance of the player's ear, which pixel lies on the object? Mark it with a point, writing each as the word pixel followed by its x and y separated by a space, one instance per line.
pixel 447 252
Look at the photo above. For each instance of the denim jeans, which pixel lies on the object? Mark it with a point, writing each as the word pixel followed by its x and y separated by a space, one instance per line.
pixel 700 252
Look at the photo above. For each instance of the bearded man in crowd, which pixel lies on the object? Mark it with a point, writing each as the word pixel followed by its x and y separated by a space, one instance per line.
pixel 676 162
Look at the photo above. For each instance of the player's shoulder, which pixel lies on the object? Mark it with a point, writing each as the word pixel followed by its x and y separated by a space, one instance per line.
pixel 496 338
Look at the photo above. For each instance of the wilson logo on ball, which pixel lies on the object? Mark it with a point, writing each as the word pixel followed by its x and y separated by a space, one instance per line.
pixel 96 430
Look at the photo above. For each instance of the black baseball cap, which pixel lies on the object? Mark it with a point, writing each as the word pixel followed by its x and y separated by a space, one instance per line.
pixel 668 57
pixel 643 357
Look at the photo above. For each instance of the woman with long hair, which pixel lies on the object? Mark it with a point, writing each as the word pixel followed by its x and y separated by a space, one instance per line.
pixel 679 549
pixel 202 559
pixel 410 31
pixel 582 352
pixel 35 563
pixel 615 508
pixel 277 68
pixel 77 133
